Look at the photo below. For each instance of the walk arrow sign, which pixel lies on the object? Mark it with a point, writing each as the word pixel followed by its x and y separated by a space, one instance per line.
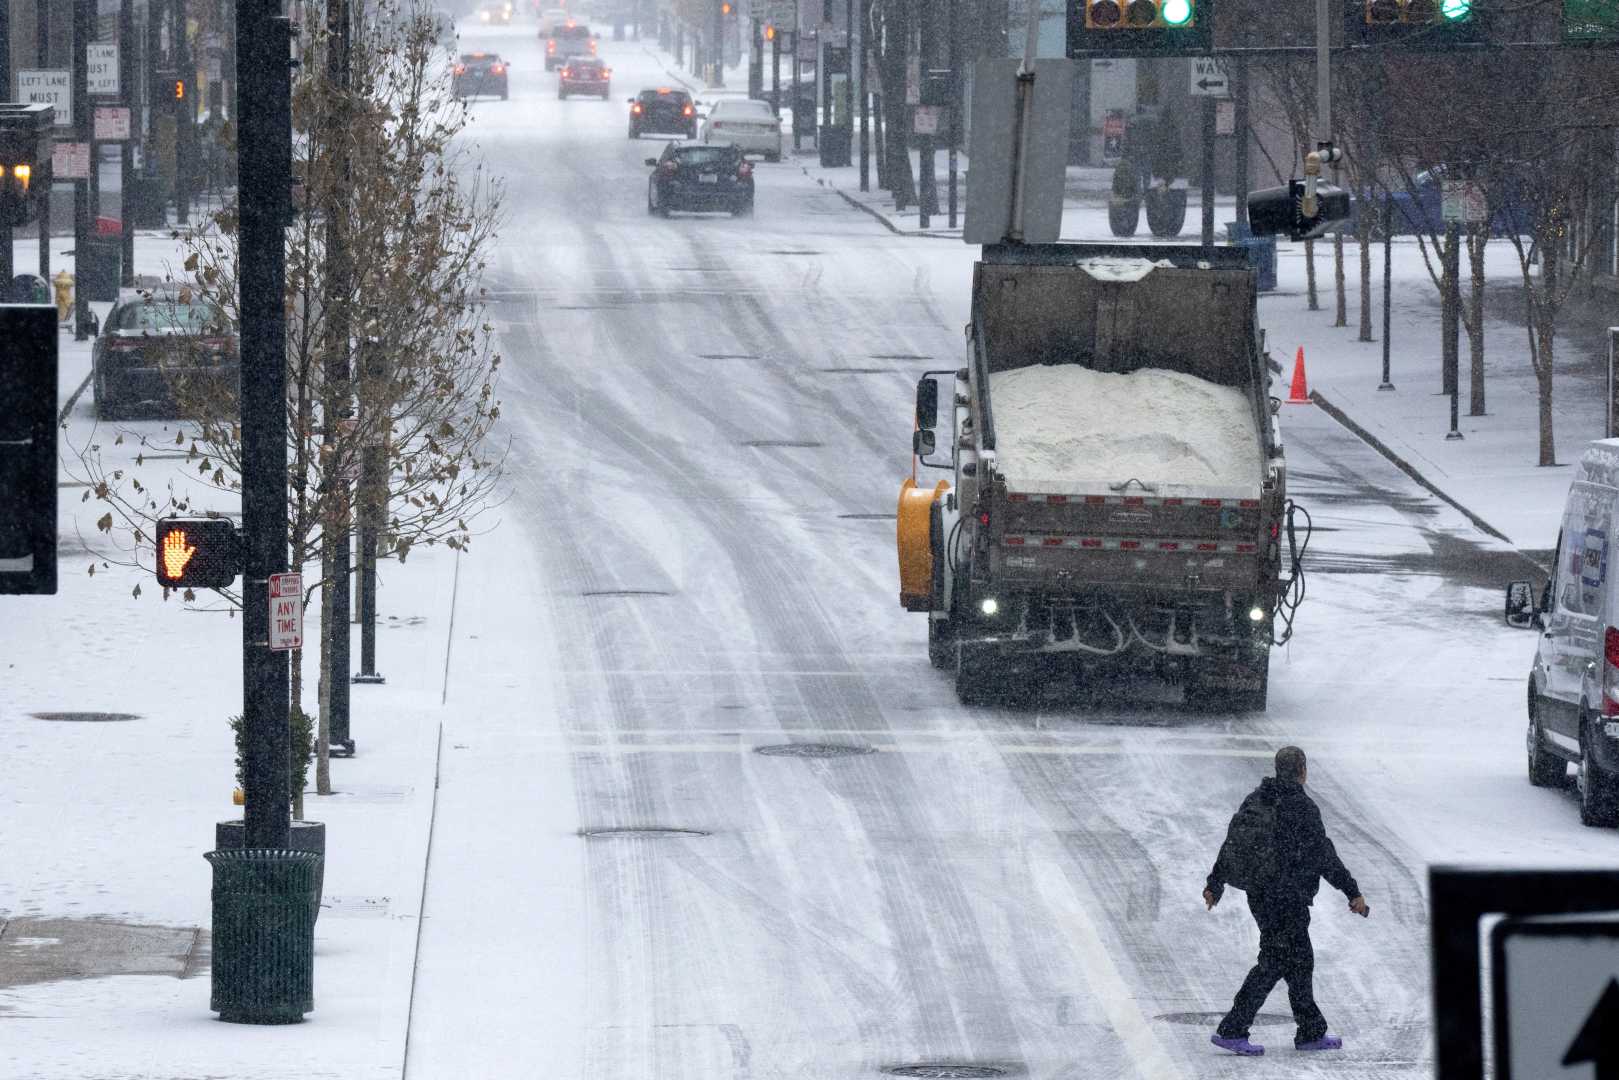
pixel 1208 78
pixel 1598 1040
pixel 1556 997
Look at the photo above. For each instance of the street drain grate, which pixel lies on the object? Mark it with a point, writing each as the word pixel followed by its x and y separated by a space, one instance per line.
pixel 855 370
pixel 814 750
pixel 625 592
pixel 866 517
pixel 781 444
pixel 1212 1019
pixel 946 1072
pixel 641 832
pixel 899 356
pixel 85 717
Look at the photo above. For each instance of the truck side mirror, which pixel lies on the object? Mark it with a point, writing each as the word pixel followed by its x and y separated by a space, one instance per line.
pixel 927 404
pixel 922 443
pixel 1521 611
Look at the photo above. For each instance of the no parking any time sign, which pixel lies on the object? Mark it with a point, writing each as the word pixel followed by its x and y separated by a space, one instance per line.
pixel 286 612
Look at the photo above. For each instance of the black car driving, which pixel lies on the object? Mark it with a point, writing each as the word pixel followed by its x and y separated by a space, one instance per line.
pixel 698 176
pixel 479 74
pixel 163 354
pixel 663 110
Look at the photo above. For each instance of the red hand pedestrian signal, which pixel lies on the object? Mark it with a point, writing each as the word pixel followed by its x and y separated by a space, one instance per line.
pixel 176 553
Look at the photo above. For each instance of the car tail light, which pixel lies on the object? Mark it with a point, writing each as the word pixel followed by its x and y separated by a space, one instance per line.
pixel 687 111
pixel 1610 671
pixel 550 46
pixel 460 69
pixel 593 48
pixel 744 170
pixel 498 69
pixel 636 108
pixel 669 168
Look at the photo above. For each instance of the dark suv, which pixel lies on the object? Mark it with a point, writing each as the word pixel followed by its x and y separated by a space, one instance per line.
pixel 566 42
pixel 696 176
pixel 663 110
pixel 478 74
pixel 585 75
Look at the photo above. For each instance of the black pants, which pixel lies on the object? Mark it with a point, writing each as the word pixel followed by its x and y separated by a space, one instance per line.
pixel 1284 953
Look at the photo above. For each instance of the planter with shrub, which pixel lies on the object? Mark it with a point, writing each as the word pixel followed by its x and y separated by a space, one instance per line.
pixel 1124 204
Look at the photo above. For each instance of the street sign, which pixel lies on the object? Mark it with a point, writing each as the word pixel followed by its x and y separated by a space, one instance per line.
pixel 70 160
pixel 913 80
pixel 1112 132
pixel 1209 78
pixel 1225 117
pixel 1462 201
pixel 1555 990
pixel 928 119
pixel 286 612
pixel 103 61
pixel 48 87
pixel 111 123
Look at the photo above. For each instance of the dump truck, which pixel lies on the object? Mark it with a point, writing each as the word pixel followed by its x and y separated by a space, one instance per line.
pixel 1117 491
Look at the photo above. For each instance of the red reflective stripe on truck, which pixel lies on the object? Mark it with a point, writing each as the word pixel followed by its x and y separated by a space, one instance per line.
pixel 1052 541
pixel 1017 498
pixel 1169 545
pixel 1013 541
pixel 1090 543
pixel 1208 547
pixel 1129 545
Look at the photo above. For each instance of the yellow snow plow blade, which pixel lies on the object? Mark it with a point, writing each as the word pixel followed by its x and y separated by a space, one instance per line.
pixel 913 533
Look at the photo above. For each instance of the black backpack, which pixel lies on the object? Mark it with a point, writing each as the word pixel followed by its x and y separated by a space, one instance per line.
pixel 1249 854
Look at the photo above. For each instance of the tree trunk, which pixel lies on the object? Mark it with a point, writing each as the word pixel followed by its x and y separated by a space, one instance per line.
pixel 1341 311
pixel 896 43
pixel 1309 275
pixel 1543 380
pixel 1475 323
pixel 323 730
pixel 1365 239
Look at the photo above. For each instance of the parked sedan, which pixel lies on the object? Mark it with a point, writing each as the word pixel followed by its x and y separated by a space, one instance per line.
pixel 744 123
pixel 585 75
pixel 694 176
pixel 663 110
pixel 480 74
pixel 164 353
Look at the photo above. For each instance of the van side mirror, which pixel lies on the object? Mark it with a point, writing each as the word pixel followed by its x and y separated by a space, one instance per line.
pixel 923 443
pixel 927 404
pixel 1521 610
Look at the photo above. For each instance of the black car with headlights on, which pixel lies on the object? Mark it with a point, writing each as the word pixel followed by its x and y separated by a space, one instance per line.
pixel 165 354
pixel 663 110
pixel 698 176
pixel 479 74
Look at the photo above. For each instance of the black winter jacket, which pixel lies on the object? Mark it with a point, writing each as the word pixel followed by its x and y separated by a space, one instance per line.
pixel 1305 854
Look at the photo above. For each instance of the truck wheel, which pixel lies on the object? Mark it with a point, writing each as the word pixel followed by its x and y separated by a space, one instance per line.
pixel 1598 805
pixel 975 673
pixel 941 643
pixel 1546 769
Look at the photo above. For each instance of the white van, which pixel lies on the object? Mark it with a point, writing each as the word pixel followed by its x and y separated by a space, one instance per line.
pixel 1574 685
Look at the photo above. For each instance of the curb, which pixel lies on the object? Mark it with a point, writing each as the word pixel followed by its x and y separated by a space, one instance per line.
pixel 410 892
pixel 1406 467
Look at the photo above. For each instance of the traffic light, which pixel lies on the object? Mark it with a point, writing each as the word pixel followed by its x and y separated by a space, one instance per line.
pixel 1423 24
pixel 770 32
pixel 1139 27
pixel 1279 211
pixel 25 162
pixel 197 553
pixel 726 7
pixel 28 450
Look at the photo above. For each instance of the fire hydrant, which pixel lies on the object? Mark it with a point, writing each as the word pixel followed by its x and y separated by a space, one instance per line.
pixel 63 283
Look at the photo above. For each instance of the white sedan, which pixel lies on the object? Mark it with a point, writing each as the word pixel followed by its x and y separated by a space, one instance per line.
pixel 747 123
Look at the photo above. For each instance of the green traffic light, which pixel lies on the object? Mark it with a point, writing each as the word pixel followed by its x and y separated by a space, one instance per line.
pixel 1179 12
pixel 1454 10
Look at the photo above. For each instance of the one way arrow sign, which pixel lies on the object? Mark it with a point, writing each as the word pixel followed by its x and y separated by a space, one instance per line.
pixel 1556 998
pixel 1209 78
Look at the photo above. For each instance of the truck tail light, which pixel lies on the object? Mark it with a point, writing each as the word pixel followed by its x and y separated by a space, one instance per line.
pixel 1610 671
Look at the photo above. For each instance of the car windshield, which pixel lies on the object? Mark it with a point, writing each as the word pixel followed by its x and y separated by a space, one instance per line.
pixel 480 59
pixel 706 155
pixel 164 315
pixel 572 32
pixel 746 110
pixel 586 65
pixel 676 97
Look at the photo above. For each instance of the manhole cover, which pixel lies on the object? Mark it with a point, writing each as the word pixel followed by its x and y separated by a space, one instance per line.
pixel 781 444
pixel 1212 1019
pixel 85 717
pixel 814 750
pixel 962 1072
pixel 640 832
pixel 624 592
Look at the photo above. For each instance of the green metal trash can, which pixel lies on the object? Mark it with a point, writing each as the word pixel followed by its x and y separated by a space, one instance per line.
pixel 263 935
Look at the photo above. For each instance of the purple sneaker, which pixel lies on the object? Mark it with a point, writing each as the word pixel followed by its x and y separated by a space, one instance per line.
pixel 1238 1046
pixel 1325 1042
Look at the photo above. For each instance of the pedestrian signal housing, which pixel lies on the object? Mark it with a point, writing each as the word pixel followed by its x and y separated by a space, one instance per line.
pixel 1280 211
pixel 1139 27
pixel 197 553
pixel 25 160
pixel 28 450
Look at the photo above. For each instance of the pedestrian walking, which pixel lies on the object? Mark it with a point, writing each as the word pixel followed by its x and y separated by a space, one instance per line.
pixel 1277 851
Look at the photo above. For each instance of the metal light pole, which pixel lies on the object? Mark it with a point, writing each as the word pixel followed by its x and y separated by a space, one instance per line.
pixel 185 116
pixel 42 39
pixel 84 27
pixel 1388 287
pixel 954 61
pixel 865 95
pixel 718 51
pixel 126 156
pixel 1452 326
pixel 6 270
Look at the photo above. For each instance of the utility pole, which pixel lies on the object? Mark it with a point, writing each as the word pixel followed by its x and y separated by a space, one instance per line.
pixel 775 69
pixel 264 89
pixel 865 95
pixel 126 156
pixel 42 39
pixel 954 111
pixel 6 269
pixel 718 51
pixel 338 403
pixel 1209 121
pixel 185 116
pixel 373 498
pixel 84 28
pixel 756 64
pixel 928 183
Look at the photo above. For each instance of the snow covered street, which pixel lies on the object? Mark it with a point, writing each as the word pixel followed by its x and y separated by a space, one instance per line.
pixel 661 783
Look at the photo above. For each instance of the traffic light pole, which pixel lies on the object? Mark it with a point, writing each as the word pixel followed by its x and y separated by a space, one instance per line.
pixel 6 270
pixel 1388 287
pixel 775 71
pixel 126 156
pixel 717 57
pixel 264 153
pixel 1209 120
pixel 865 95
pixel 84 26
pixel 185 115
pixel 42 38
pixel 1452 324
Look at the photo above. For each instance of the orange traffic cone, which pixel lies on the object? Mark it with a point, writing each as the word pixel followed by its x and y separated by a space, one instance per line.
pixel 1300 393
